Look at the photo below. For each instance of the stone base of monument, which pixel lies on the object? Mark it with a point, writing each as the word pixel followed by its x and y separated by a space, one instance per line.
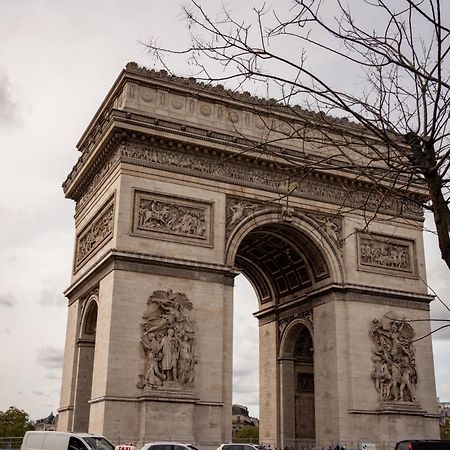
pixel 171 391
pixel 170 404
pixel 396 407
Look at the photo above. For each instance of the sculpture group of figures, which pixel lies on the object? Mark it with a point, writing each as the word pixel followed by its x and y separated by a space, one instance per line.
pixel 166 341
pixel 161 216
pixel 384 254
pixel 394 367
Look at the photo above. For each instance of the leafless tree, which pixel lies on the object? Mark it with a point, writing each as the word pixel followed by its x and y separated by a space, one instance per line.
pixel 390 76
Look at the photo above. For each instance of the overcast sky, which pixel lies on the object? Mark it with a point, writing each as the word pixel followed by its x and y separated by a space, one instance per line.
pixel 58 59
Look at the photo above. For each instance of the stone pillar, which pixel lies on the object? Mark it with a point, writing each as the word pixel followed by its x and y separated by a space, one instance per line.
pixel 269 388
pixel 287 402
pixel 66 409
pixel 83 386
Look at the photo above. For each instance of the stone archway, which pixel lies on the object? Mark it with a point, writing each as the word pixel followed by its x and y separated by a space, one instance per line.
pixel 85 363
pixel 289 263
pixel 177 190
pixel 297 383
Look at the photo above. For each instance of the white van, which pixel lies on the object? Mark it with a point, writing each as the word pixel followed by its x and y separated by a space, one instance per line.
pixel 58 440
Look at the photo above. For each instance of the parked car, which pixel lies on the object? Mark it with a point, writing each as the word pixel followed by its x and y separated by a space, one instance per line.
pixel 168 446
pixel 192 447
pixel 58 440
pixel 423 445
pixel 239 447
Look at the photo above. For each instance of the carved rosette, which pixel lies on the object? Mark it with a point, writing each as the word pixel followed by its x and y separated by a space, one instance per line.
pixel 167 337
pixel 394 367
pixel 306 316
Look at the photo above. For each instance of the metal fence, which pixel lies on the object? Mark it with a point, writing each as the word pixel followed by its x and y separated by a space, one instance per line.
pixel 11 443
pixel 7 443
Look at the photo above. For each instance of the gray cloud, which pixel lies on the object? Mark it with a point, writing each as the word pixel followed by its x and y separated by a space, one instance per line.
pixel 51 297
pixel 10 116
pixel 7 300
pixel 50 357
pixel 39 393
pixel 53 376
pixel 439 311
pixel 5 330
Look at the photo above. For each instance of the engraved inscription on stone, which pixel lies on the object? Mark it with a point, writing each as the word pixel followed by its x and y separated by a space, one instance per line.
pixel 97 232
pixel 167 337
pixel 393 355
pixel 159 215
pixel 382 252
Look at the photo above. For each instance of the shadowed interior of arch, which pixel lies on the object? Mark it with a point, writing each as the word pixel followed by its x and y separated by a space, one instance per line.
pixel 279 260
pixel 283 263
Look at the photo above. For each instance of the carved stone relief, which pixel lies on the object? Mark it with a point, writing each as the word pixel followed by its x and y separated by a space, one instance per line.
pixel 167 337
pixel 307 316
pixel 96 233
pixel 160 216
pixel 394 367
pixel 332 225
pixel 238 209
pixel 378 252
pixel 100 175
pixel 245 174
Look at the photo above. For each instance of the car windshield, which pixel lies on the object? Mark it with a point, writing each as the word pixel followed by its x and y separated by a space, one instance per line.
pixel 98 443
pixel 191 447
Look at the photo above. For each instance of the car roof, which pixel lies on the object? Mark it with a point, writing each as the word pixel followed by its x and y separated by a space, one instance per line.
pixel 166 443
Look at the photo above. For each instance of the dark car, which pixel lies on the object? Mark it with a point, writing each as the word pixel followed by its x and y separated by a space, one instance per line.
pixel 422 445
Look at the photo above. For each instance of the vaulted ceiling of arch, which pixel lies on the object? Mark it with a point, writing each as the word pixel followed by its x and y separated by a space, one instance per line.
pixel 280 258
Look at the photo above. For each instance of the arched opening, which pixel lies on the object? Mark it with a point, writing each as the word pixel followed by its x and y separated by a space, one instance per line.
pixel 85 366
pixel 245 359
pixel 286 265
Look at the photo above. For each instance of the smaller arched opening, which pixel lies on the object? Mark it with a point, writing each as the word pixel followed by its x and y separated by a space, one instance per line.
pixel 297 390
pixel 85 366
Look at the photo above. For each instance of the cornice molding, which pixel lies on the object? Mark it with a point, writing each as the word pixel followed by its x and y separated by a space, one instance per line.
pixel 188 159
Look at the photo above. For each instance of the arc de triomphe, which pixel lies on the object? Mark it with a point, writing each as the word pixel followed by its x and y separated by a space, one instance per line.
pixel 174 197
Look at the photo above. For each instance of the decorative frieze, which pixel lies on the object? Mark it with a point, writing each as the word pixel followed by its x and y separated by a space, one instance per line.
pixel 168 217
pixel 385 254
pixel 394 367
pixel 98 178
pixel 96 233
pixel 167 338
pixel 248 174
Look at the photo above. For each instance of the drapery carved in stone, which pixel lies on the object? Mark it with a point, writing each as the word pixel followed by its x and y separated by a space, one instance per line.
pixel 167 337
pixel 383 252
pixel 96 233
pixel 157 215
pixel 237 210
pixel 394 367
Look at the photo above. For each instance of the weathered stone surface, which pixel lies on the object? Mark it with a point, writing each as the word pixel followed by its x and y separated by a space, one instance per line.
pixel 173 199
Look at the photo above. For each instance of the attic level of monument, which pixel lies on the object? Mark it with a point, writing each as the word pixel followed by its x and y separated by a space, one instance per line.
pixel 174 112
